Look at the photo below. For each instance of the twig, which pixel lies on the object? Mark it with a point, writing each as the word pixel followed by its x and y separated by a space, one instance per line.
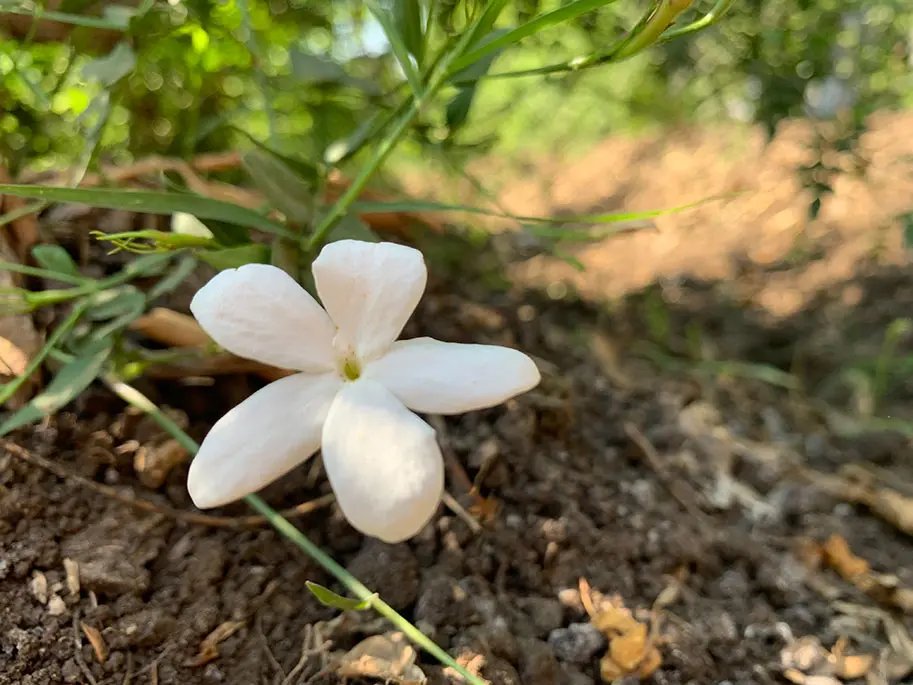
pixel 458 509
pixel 683 493
pixel 77 642
pixel 145 505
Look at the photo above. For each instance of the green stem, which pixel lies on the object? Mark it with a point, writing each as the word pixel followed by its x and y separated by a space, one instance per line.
pixel 136 399
pixel 381 153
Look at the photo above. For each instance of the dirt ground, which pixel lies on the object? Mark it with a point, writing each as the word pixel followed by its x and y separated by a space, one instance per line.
pixel 702 457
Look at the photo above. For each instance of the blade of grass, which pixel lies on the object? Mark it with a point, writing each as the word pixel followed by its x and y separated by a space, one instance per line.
pixel 67 18
pixel 398 46
pixel 152 202
pixel 544 21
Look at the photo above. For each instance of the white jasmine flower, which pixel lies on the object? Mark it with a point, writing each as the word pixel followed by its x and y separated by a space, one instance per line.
pixel 355 388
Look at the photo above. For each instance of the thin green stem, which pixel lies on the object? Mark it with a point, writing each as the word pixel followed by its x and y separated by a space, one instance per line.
pixel 341 206
pixel 135 398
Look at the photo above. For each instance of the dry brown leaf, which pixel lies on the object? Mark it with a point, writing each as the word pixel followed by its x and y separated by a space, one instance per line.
pixel 629 649
pixel 388 657
pixel 209 647
pixel 153 463
pixel 13 360
pixel 882 587
pixel 93 635
pixel 838 556
pixel 632 649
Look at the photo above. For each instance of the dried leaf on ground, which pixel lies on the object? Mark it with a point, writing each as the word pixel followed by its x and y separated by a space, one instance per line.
pixel 209 647
pixel 884 502
pixel 19 341
pixel 884 588
pixel 388 657
pixel 153 463
pixel 93 635
pixel 807 662
pixel 632 646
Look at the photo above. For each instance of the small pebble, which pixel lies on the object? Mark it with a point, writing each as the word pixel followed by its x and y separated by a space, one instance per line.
pixel 576 644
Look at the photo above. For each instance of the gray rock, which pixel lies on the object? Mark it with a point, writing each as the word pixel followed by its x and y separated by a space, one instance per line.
pixel 576 644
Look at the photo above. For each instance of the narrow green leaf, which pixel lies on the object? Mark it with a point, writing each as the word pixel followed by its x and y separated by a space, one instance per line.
pixel 114 302
pixel 491 44
pixel 111 68
pixel 398 46
pixel 113 21
pixel 329 598
pixel 71 380
pixel 353 228
pixel 15 267
pixel 152 202
pixel 407 15
pixel 56 259
pixel 233 257
pixel 178 275
pixel 292 195
pixel 458 108
pixel 610 217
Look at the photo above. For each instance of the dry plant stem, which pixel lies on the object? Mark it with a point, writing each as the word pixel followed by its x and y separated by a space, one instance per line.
pixel 136 399
pixel 145 505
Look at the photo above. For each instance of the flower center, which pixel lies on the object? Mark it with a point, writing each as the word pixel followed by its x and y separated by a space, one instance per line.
pixel 351 369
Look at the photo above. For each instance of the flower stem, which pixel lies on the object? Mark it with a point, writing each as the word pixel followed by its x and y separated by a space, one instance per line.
pixel 135 398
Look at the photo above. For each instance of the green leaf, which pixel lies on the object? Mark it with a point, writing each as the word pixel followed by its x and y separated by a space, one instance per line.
pixel 407 15
pixel 56 259
pixel 494 43
pixel 152 202
pixel 545 230
pixel 114 302
pixel 353 228
pixel 398 46
pixel 458 108
pixel 329 598
pixel 291 194
pixel 71 380
pixel 113 21
pixel 178 275
pixel 111 68
pixel 233 257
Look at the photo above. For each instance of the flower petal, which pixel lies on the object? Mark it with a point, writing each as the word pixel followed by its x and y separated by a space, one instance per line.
pixel 436 377
pixel 265 436
pixel 383 462
pixel 259 312
pixel 369 290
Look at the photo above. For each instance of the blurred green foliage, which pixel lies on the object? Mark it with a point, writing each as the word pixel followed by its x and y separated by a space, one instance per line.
pixel 187 77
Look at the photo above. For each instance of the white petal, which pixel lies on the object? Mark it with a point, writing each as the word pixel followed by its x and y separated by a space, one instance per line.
pixel 265 436
pixel 383 462
pixel 436 377
pixel 370 290
pixel 259 312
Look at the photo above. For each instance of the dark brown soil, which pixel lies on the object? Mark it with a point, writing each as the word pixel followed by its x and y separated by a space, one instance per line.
pixel 646 463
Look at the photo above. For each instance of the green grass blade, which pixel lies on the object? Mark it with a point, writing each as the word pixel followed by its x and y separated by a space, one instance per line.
pixel 544 21
pixel 151 202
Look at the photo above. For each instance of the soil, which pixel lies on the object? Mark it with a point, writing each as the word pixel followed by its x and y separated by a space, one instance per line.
pixel 661 460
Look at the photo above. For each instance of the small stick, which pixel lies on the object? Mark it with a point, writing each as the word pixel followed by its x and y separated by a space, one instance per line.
pixel 458 509
pixel 682 492
pixel 77 643
pixel 145 505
